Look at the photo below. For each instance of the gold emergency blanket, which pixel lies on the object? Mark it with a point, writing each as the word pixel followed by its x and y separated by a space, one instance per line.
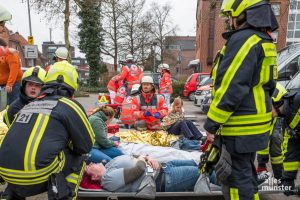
pixel 3 127
pixel 155 138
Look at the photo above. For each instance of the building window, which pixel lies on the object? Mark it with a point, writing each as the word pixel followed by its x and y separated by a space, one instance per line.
pixel 276 8
pixel 52 49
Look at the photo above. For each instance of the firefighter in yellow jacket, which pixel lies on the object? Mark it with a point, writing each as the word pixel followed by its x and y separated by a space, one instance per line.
pixel 276 138
pixel 45 146
pixel 243 83
pixel 291 144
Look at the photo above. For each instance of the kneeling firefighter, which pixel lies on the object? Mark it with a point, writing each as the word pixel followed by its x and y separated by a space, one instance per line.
pixel 50 137
pixel 243 82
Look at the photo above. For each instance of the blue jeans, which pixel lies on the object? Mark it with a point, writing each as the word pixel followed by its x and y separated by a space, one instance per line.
pixel 167 99
pixel 14 94
pixel 103 155
pixel 180 175
pixel 187 128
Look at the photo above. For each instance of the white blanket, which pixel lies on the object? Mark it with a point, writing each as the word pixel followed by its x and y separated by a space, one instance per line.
pixel 161 154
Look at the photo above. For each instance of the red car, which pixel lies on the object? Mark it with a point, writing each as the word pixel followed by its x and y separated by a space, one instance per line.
pixel 190 85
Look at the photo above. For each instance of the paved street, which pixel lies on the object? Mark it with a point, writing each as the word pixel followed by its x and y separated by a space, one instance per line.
pixel 190 109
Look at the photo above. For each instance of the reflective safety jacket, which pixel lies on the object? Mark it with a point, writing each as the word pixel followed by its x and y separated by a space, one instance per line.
pixel 127 116
pixel 15 107
pixel 243 83
pixel 113 83
pixel 152 103
pixel 165 85
pixel 121 95
pixel 10 66
pixel 292 112
pixel 131 74
pixel 32 148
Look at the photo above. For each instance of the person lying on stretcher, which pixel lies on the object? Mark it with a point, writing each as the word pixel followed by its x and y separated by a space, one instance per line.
pixel 126 173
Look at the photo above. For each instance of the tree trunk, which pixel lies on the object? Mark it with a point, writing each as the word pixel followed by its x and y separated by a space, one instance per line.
pixel 66 27
pixel 115 35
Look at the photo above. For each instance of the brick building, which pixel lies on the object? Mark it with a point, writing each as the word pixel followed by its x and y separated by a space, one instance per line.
pixel 179 51
pixel 210 27
pixel 17 41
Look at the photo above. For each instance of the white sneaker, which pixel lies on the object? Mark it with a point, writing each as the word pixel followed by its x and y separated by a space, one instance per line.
pixel 262 177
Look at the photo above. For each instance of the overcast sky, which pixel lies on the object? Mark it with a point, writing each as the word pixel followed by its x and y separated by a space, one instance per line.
pixel 183 14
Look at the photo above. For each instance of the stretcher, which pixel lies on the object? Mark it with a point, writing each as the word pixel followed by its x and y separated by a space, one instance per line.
pixel 85 193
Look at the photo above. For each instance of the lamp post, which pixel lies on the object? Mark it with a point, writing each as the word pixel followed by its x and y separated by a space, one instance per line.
pixel 154 55
pixel 29 17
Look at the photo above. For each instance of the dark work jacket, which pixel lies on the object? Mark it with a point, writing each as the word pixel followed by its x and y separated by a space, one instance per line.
pixel 15 107
pixel 33 146
pixel 243 83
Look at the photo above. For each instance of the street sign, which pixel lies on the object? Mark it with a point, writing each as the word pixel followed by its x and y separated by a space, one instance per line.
pixel 30 40
pixel 31 51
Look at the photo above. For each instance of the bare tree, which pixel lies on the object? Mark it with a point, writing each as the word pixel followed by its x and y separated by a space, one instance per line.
pixel 112 26
pixel 162 25
pixel 131 18
pixel 54 10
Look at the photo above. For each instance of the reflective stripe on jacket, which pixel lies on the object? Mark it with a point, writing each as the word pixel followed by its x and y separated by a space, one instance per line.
pixel 243 82
pixel 48 126
pixel 156 104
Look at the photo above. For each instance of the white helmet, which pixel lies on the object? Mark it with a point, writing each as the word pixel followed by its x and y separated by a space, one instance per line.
pixel 129 57
pixel 164 66
pixel 135 88
pixel 5 15
pixel 147 79
pixel 62 52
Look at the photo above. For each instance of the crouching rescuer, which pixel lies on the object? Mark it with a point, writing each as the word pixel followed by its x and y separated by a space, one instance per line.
pixel 50 137
pixel 243 82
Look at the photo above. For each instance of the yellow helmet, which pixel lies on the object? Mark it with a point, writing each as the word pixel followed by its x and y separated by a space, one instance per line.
pixel 63 74
pixel 278 93
pixel 236 7
pixel 34 74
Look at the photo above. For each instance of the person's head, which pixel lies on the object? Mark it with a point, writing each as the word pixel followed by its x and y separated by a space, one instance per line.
pixel 61 54
pixel 255 13
pixel 5 16
pixel 129 58
pixel 107 110
pixel 95 171
pixel 33 80
pixel 63 79
pixel 147 84
pixel 277 100
pixel 135 89
pixel 164 68
pixel 177 104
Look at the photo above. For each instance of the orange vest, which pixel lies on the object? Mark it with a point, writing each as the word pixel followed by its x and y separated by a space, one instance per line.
pixel 10 66
pixel 113 84
pixel 131 74
pixel 127 111
pixel 120 96
pixel 156 104
pixel 165 85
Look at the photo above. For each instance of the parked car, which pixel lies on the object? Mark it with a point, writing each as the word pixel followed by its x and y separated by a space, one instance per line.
pixel 206 103
pixel 201 93
pixel 191 84
pixel 288 61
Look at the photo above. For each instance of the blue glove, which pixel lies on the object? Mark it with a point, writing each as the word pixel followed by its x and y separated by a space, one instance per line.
pixel 147 114
pixel 157 115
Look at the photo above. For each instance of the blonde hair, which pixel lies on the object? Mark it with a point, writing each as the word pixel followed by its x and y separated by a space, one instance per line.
pixel 177 101
pixel 107 110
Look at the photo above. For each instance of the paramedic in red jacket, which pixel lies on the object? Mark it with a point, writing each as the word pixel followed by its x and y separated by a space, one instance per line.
pixel 148 106
pixel 165 84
